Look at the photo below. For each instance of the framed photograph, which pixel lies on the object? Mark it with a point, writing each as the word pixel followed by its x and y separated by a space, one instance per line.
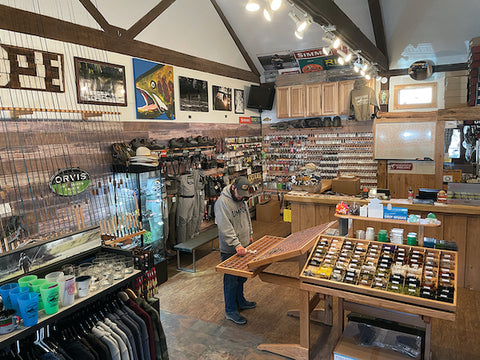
pixel 154 90
pixel 222 98
pixel 239 98
pixel 100 83
pixel 193 94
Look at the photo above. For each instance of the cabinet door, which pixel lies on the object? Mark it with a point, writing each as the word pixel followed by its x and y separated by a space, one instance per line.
pixel 330 98
pixel 283 102
pixel 344 89
pixel 314 99
pixel 297 101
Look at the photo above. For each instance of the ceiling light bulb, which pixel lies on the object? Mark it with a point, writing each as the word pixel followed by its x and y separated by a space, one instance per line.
pixel 362 73
pixel 367 76
pixel 365 67
pixel 299 35
pixel 252 6
pixel 336 43
pixel 341 61
pixel 266 15
pixel 326 50
pixel 348 58
pixel 378 78
pixel 303 25
pixel 355 68
pixel 275 4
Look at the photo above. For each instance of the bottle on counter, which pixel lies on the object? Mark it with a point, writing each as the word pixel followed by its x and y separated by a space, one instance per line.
pixel 410 194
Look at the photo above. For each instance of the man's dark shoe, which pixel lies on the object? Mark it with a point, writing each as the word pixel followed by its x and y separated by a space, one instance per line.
pixel 247 305
pixel 236 318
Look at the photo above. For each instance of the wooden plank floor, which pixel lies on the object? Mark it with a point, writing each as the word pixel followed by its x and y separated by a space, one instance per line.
pixel 193 315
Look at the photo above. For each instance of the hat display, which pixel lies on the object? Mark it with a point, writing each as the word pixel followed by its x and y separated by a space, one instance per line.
pixel 144 157
pixel 242 185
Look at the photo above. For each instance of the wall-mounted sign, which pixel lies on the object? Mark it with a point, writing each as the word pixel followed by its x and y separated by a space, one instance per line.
pixel 245 120
pixel 69 182
pixel 31 69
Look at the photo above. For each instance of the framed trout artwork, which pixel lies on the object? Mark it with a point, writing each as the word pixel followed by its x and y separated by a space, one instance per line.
pixel 154 90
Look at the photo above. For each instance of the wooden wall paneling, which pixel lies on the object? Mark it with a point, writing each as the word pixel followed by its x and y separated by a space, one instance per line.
pixel 472 263
pixel 322 214
pixel 454 229
pixel 382 175
pixel 296 211
pixel 308 218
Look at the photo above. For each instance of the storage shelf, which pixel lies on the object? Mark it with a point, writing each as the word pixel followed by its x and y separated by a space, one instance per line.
pixel 389 221
pixel 43 319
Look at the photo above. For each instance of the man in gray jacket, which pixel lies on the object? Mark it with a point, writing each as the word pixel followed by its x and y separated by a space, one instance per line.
pixel 235 234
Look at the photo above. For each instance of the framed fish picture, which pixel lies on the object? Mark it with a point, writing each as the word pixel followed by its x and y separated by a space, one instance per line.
pixel 154 90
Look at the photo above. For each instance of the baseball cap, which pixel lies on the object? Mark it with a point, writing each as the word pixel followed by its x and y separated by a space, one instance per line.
pixel 242 185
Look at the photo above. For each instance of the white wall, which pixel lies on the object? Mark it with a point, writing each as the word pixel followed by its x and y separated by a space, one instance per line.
pixel 68 99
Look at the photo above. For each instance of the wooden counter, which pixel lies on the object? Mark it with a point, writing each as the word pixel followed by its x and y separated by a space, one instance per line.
pixel 459 223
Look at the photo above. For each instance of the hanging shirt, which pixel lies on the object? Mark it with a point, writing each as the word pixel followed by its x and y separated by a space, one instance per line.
pixel 100 347
pixel 148 322
pixel 131 338
pixel 103 336
pixel 160 338
pixel 135 329
pixel 361 99
pixel 143 327
pixel 120 333
pixel 121 344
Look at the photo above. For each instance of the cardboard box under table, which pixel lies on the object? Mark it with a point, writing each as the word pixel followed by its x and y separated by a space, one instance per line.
pixel 269 211
pixel 346 185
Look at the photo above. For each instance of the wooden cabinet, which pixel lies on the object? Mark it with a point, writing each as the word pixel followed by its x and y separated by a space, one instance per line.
pixel 314 99
pixel 291 101
pixel 283 102
pixel 330 98
pixel 344 89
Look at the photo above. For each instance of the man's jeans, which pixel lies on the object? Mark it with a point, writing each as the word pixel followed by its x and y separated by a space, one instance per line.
pixel 232 289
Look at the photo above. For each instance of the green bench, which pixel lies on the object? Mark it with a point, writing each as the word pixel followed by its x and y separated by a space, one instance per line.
pixel 191 246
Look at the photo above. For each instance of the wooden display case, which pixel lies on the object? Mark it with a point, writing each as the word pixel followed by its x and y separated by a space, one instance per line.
pixel 440 263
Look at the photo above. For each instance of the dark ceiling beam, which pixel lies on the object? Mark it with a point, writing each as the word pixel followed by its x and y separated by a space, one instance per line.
pixel 378 28
pixel 97 15
pixel 326 12
pixel 235 38
pixel 435 68
pixel 48 27
pixel 146 20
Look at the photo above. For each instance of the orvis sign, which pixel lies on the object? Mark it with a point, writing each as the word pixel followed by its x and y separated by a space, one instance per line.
pixel 69 182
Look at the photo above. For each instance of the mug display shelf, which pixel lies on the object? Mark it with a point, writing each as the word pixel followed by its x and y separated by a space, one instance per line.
pixel 44 320
pixel 421 226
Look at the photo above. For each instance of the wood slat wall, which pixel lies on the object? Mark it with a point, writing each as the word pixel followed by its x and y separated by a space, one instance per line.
pixel 31 151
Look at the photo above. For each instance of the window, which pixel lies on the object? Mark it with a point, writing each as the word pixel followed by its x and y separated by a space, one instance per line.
pixel 415 96
pixel 454 148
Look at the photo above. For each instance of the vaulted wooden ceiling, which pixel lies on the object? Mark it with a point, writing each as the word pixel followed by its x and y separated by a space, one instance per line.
pixel 389 33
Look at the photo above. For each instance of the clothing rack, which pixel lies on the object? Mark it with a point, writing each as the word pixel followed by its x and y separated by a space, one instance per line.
pixel 63 312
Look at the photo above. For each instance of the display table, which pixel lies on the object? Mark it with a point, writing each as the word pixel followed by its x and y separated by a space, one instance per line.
pixel 379 297
pixel 459 223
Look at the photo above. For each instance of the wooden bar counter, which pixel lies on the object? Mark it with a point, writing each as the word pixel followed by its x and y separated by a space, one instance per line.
pixel 459 223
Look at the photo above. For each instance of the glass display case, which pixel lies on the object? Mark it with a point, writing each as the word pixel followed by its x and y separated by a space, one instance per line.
pixel 142 194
